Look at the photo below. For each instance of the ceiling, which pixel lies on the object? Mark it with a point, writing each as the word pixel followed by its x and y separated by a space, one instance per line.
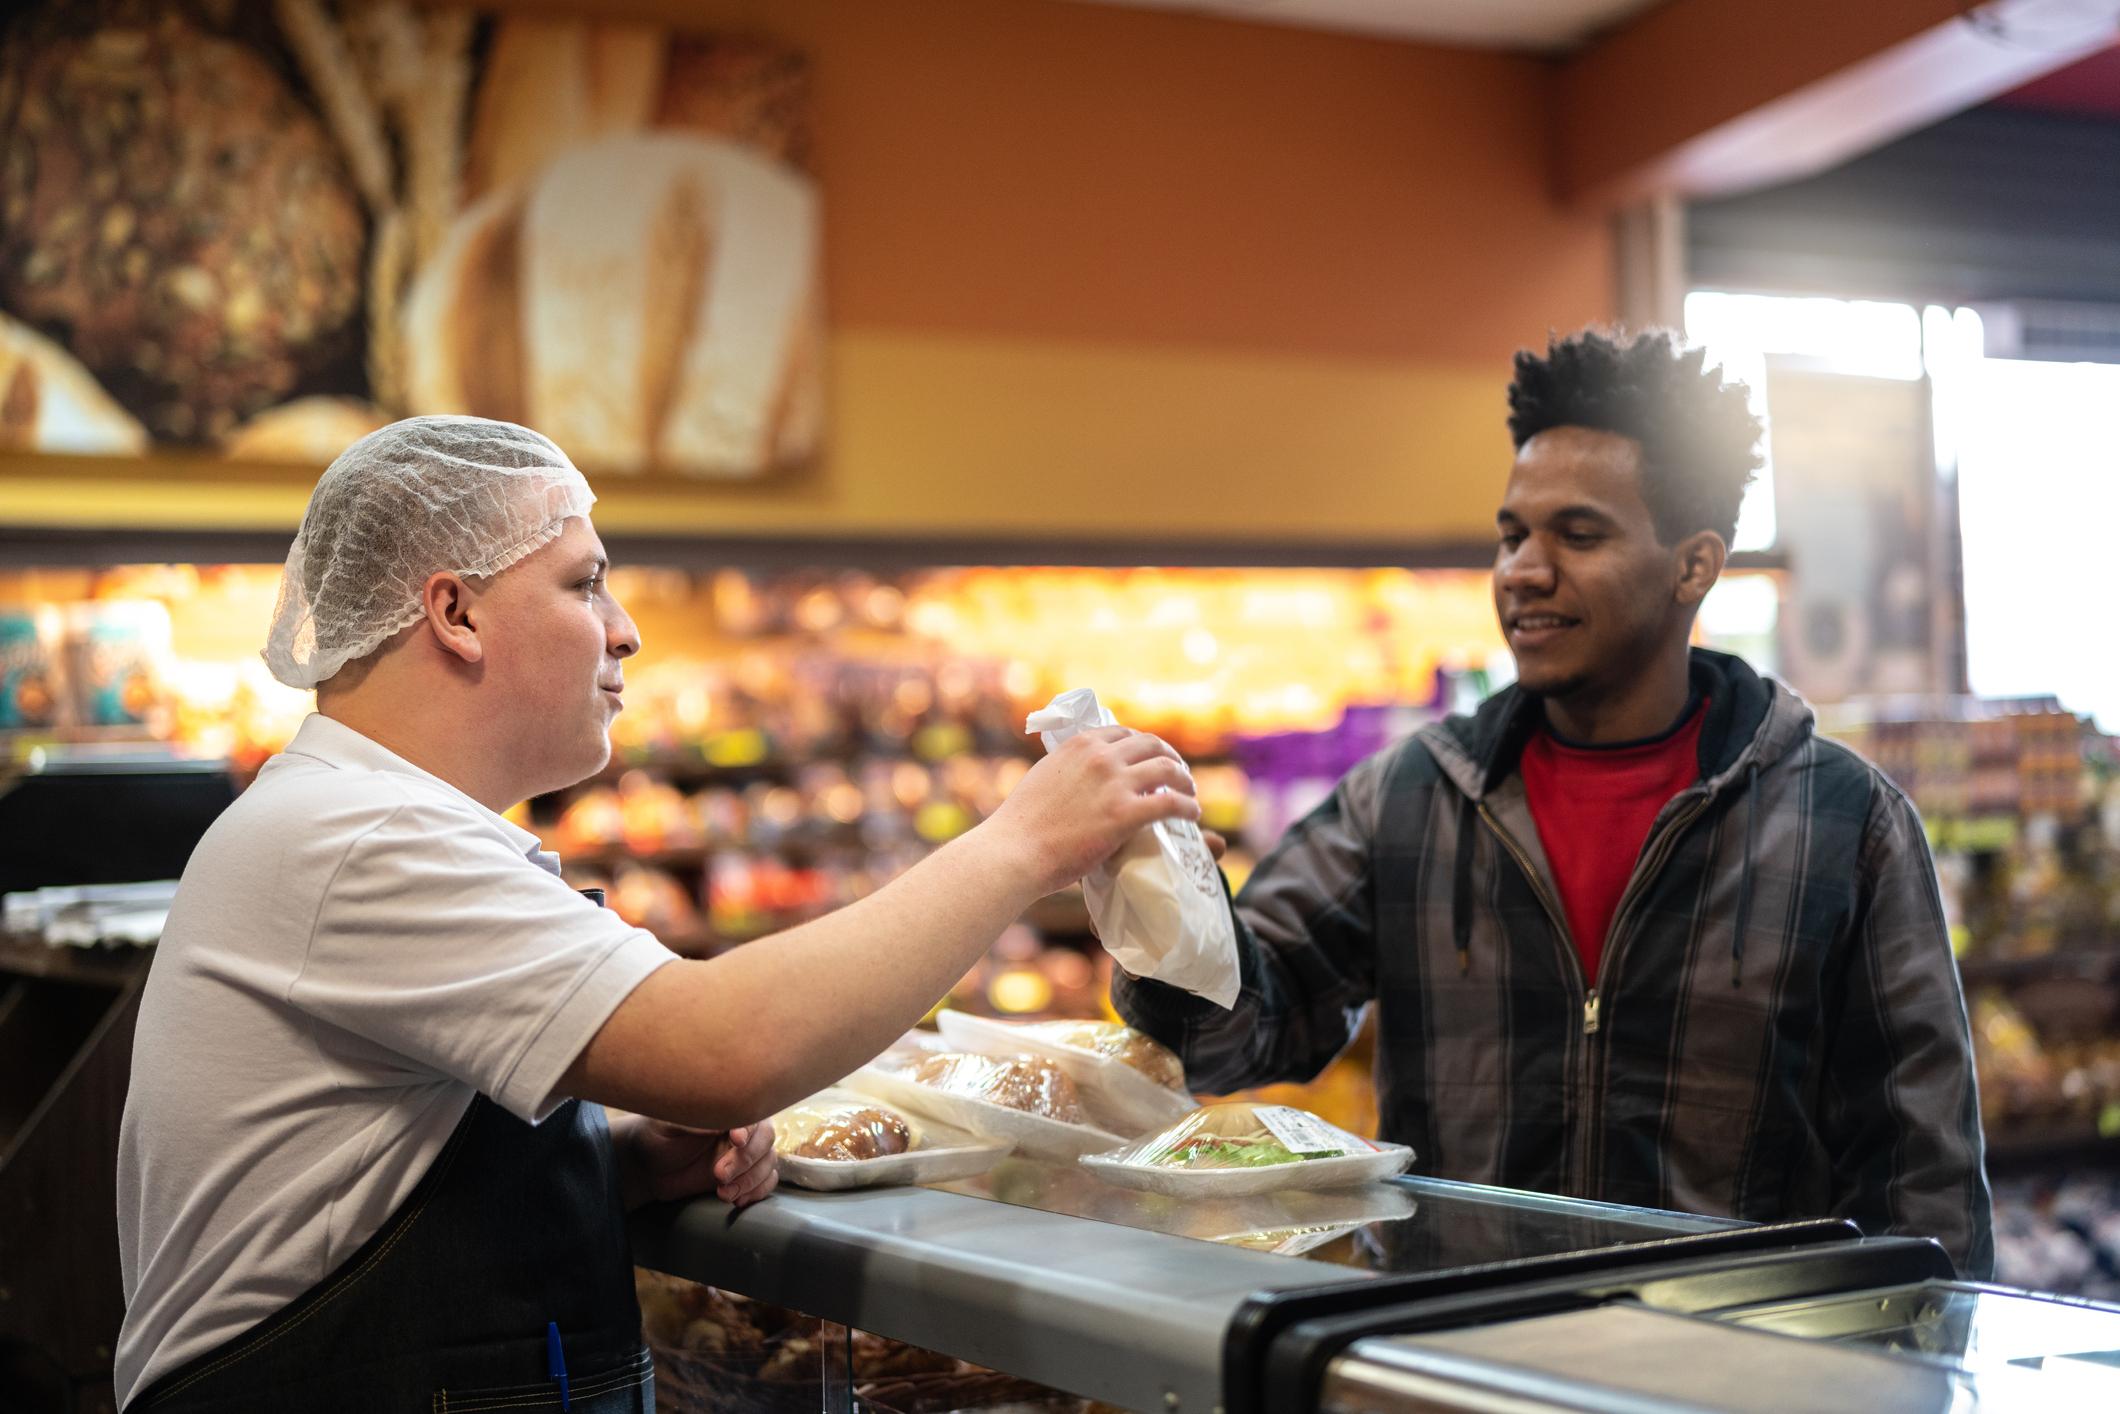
pixel 1544 26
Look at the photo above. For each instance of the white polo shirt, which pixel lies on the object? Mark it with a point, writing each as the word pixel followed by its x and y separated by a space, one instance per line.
pixel 356 950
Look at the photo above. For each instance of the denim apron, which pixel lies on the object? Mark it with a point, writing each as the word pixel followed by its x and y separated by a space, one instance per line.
pixel 446 1308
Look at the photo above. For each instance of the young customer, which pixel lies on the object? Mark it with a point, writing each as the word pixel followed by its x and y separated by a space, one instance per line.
pixel 1633 931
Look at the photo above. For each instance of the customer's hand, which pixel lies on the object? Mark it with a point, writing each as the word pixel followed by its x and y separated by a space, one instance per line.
pixel 1080 804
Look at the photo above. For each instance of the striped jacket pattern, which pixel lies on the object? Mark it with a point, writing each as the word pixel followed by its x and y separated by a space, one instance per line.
pixel 1776 1029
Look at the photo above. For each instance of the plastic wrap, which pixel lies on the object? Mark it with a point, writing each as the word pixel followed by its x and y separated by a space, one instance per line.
pixel 840 1139
pixel 1158 903
pixel 1237 1149
pixel 1025 1100
pixel 1114 1067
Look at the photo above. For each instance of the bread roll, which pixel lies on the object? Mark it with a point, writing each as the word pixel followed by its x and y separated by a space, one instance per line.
pixel 1121 1043
pixel 309 431
pixel 853 1133
pixel 1028 1083
pixel 50 403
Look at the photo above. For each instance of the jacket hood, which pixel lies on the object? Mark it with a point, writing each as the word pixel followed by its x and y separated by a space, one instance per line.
pixel 1752 722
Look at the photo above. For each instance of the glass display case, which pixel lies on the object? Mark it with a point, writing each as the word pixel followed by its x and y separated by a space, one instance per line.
pixel 1404 1226
pixel 1037 1287
pixel 1037 1279
pixel 1826 1340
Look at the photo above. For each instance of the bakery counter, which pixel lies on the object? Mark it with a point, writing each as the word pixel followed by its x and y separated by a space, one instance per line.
pixel 1147 1303
pixel 1405 1226
pixel 1136 1318
pixel 1854 1328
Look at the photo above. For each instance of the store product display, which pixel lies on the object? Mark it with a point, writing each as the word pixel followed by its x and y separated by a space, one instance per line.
pixel 794 739
pixel 2060 1233
pixel 1239 1148
pixel 717 1353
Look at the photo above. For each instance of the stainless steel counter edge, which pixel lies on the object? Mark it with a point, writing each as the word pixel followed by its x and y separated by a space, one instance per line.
pixel 1627 1359
pixel 1133 1318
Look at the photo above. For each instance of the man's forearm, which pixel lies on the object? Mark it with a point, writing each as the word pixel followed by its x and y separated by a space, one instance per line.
pixel 818 988
pixel 727 1041
pixel 722 1043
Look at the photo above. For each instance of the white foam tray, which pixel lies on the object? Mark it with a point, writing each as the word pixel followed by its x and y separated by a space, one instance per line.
pixel 1113 1091
pixel 916 1166
pixel 1035 1135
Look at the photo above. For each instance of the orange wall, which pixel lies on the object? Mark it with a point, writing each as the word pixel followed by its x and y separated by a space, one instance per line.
pixel 1223 280
pixel 1053 169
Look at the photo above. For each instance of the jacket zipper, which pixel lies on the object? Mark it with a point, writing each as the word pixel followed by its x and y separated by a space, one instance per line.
pixel 1652 862
pixel 1578 1060
pixel 1593 1014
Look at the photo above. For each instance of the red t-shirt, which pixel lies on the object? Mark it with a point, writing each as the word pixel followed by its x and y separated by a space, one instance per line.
pixel 1593 806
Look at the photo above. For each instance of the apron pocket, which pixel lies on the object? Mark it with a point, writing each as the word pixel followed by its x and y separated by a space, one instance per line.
pixel 622 1389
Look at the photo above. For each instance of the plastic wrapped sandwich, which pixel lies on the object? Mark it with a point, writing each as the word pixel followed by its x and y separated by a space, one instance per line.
pixel 1128 1082
pixel 1023 1099
pixel 1158 905
pixel 844 1139
pixel 1236 1149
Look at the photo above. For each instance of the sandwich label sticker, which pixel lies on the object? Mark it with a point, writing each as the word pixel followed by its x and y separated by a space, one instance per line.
pixel 1301 1132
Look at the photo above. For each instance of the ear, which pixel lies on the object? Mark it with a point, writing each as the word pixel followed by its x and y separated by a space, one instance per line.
pixel 1700 558
pixel 447 601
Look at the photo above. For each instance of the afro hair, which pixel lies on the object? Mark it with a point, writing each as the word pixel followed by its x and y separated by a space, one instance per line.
pixel 1699 438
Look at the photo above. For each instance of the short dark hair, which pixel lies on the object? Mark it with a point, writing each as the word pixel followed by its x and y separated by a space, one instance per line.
pixel 1699 438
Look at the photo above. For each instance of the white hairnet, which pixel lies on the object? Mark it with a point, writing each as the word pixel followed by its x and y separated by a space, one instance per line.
pixel 429 494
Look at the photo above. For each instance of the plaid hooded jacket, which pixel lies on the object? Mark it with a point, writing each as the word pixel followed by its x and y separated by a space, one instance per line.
pixel 1776 1029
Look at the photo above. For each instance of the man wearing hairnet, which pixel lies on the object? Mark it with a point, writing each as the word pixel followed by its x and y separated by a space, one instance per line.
pixel 364 1162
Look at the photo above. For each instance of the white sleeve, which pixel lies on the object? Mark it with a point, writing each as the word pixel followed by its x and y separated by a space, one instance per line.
pixel 438 942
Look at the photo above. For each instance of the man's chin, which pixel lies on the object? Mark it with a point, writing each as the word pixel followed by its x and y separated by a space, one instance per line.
pixel 587 764
pixel 1550 682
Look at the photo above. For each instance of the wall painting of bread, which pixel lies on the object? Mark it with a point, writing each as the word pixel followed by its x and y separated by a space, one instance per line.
pixel 268 226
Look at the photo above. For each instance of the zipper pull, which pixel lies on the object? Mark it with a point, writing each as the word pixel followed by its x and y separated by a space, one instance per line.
pixel 1590 1014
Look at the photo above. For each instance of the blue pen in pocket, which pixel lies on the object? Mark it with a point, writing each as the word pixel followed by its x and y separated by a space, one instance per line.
pixel 556 1362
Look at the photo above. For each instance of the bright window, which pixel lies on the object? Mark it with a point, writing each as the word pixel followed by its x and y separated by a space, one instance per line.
pixel 2039 492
